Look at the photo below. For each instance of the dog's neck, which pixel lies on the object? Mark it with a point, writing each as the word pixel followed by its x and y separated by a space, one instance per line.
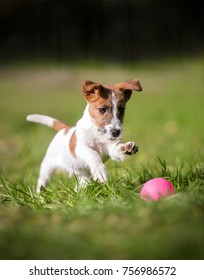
pixel 87 124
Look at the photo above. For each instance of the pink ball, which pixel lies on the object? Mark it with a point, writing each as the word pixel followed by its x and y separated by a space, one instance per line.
pixel 156 188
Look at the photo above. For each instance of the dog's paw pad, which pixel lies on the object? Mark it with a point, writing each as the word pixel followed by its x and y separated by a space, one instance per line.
pixel 129 148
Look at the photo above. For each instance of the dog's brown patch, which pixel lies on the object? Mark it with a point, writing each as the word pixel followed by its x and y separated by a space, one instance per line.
pixel 58 125
pixel 72 144
pixel 101 119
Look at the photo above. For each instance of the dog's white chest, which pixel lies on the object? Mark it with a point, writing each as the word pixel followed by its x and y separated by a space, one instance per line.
pixel 100 148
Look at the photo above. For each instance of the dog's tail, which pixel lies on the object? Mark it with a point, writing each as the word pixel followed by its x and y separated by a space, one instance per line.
pixel 48 121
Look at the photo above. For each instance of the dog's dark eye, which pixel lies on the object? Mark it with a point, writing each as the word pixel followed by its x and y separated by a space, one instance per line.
pixel 102 110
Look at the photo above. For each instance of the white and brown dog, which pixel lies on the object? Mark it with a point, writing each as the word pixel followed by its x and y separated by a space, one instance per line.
pixel 81 150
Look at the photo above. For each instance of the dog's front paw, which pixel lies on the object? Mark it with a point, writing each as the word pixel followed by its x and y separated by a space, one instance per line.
pixel 129 148
pixel 100 174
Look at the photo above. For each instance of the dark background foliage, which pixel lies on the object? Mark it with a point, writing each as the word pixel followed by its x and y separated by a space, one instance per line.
pixel 117 30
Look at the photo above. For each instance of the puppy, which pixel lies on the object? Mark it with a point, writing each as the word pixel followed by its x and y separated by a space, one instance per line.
pixel 83 149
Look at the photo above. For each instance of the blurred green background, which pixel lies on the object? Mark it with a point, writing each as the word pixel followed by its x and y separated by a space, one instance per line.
pixel 47 49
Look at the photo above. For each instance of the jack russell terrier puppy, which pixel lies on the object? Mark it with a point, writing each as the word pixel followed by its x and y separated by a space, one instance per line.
pixel 81 150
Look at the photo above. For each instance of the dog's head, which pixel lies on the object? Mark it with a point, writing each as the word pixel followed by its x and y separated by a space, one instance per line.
pixel 107 105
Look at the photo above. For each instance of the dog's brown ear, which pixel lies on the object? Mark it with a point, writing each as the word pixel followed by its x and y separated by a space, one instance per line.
pixel 91 90
pixel 89 86
pixel 129 85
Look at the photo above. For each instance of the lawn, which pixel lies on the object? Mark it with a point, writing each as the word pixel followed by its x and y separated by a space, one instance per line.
pixel 106 221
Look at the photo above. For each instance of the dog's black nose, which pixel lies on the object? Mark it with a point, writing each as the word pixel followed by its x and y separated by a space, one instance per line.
pixel 116 132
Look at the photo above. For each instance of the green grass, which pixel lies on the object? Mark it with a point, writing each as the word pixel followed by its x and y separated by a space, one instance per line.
pixel 104 221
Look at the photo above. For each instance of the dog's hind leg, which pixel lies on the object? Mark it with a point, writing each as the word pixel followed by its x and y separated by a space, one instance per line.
pixel 46 171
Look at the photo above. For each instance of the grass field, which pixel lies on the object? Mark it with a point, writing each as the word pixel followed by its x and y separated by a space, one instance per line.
pixel 166 120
